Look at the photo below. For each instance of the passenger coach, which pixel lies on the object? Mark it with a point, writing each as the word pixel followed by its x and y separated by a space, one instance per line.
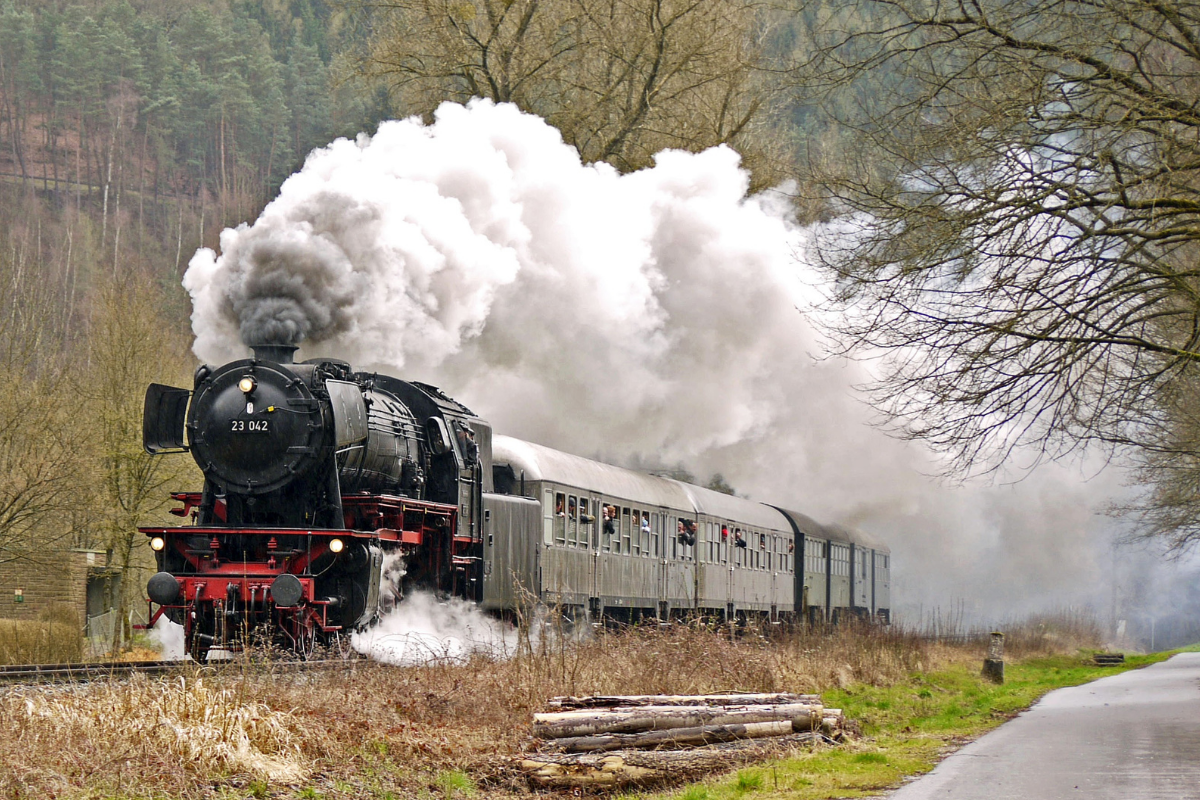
pixel 598 540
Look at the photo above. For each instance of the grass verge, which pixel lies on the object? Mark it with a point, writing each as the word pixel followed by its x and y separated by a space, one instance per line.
pixel 907 728
pixel 449 731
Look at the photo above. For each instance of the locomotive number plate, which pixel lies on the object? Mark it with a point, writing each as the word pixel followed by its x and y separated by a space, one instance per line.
pixel 250 426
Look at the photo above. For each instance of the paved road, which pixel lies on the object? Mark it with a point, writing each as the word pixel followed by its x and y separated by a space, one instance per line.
pixel 1134 736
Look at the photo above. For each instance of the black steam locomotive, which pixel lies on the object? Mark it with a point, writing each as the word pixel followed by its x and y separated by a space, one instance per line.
pixel 313 476
pixel 329 493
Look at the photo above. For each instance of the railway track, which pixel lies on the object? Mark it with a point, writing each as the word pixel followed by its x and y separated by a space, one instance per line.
pixel 67 673
pixel 30 673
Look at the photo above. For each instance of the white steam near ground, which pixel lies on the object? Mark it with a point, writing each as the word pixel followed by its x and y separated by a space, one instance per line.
pixel 650 320
pixel 168 636
pixel 426 630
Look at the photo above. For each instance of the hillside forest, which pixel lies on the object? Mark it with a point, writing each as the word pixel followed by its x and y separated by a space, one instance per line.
pixel 987 145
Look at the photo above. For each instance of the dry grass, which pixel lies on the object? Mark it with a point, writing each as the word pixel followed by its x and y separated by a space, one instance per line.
pixel 164 734
pixel 370 730
pixel 39 642
pixel 1062 631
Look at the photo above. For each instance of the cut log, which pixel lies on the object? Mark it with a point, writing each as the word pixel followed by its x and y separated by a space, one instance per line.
pixel 727 699
pixel 803 716
pixel 703 734
pixel 645 767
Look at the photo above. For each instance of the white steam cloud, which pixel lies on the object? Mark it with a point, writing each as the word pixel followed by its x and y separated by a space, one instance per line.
pixel 425 630
pixel 646 319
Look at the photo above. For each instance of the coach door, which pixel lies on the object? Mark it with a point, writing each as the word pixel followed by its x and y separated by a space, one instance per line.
pixel 661 555
pixel 595 510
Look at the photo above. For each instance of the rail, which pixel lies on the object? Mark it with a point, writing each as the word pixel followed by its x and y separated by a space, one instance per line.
pixel 66 673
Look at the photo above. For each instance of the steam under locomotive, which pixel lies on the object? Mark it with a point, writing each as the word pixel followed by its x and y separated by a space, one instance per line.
pixel 329 493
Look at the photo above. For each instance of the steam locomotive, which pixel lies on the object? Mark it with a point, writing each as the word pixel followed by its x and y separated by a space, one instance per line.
pixel 329 494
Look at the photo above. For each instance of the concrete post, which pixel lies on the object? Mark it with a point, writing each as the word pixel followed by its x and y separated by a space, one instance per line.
pixel 993 665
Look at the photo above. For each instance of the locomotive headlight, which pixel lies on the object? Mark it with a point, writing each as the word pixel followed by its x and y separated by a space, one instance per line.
pixel 157 543
pixel 247 384
pixel 336 545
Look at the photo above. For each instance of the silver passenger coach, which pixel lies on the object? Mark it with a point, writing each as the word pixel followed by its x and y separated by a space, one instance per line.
pixel 597 540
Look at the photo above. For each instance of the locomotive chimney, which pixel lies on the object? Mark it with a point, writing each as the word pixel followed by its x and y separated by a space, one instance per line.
pixel 279 353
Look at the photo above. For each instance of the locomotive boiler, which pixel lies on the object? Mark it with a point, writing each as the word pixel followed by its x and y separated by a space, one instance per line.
pixel 318 482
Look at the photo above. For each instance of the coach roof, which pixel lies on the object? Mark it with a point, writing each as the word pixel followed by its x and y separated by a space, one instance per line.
pixel 737 509
pixel 540 463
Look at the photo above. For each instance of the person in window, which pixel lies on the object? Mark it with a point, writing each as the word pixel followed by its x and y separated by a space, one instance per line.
pixel 724 534
pixel 687 532
pixel 645 523
pixel 738 541
pixel 466 442
pixel 558 507
pixel 610 514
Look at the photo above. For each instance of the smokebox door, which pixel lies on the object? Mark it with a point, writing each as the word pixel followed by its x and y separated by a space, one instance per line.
pixel 349 412
pixel 163 419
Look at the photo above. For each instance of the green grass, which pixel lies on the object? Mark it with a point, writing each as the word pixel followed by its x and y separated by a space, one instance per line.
pixel 906 729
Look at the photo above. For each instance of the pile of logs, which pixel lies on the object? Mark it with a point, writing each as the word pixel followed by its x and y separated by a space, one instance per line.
pixel 640 739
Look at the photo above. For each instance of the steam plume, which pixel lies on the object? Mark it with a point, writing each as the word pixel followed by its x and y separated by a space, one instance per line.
pixel 646 319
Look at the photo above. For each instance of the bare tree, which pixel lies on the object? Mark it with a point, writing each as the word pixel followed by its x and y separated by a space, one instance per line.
pixel 39 459
pixel 1169 467
pixel 622 79
pixel 1018 219
pixel 132 344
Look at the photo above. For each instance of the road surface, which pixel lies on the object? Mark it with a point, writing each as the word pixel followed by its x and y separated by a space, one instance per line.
pixel 1133 736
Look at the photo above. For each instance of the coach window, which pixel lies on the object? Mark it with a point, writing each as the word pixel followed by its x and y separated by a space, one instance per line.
pixel 560 518
pixel 585 524
pixel 608 526
pixel 656 540
pixel 572 521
